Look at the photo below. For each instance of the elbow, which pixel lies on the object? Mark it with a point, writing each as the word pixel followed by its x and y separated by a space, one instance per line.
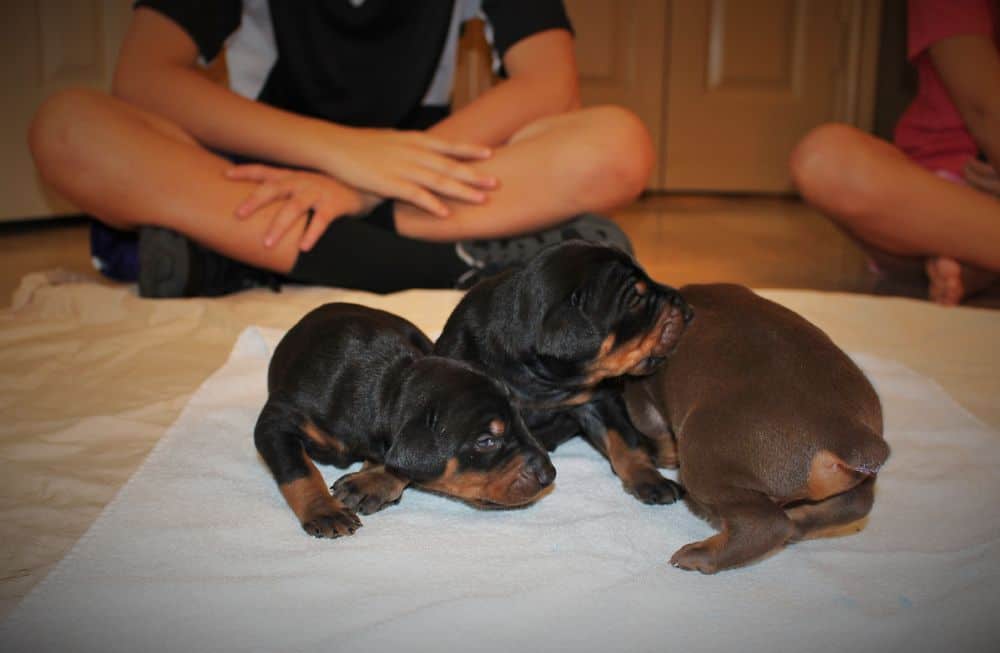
pixel 556 96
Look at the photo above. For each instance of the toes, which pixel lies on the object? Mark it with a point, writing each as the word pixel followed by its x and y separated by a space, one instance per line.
pixel 371 504
pixel 333 524
pixel 695 557
pixel 662 491
pixel 348 493
pixel 945 277
pixel 362 495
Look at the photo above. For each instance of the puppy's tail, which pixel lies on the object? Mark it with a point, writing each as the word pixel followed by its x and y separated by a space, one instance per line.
pixel 865 452
pixel 848 462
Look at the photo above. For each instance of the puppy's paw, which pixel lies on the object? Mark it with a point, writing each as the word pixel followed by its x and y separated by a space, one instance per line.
pixel 332 522
pixel 369 490
pixel 697 556
pixel 654 489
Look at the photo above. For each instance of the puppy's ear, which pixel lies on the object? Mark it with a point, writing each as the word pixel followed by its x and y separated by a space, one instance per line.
pixel 416 451
pixel 567 335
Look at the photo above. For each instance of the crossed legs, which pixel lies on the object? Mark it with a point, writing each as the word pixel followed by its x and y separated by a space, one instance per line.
pixel 898 209
pixel 128 168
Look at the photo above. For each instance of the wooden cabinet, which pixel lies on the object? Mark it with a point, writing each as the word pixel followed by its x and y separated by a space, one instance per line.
pixel 746 79
pixel 48 45
pixel 726 87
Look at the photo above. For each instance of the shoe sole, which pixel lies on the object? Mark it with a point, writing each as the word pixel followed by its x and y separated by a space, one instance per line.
pixel 164 263
pixel 588 226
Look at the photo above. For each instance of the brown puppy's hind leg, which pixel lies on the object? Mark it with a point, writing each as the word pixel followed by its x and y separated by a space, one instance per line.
pixel 751 526
pixel 369 490
pixel 838 510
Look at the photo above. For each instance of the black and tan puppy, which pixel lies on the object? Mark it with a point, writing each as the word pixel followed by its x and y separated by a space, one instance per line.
pixel 561 333
pixel 777 432
pixel 350 383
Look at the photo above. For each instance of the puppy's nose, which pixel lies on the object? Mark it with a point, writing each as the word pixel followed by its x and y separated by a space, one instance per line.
pixel 543 470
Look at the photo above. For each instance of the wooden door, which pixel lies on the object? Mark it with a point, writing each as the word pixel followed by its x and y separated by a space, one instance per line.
pixel 620 48
pixel 748 78
pixel 48 45
pixel 619 52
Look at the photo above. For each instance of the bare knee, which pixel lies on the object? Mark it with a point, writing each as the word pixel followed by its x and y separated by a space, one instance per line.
pixel 612 158
pixel 56 135
pixel 832 168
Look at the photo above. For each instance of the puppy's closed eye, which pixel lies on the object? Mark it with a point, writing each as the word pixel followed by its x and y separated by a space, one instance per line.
pixel 493 438
pixel 488 442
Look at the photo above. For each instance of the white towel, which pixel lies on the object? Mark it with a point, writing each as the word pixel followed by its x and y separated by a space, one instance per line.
pixel 199 552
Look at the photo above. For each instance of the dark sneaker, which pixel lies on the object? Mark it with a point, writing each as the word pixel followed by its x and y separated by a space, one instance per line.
pixel 114 252
pixel 488 257
pixel 172 265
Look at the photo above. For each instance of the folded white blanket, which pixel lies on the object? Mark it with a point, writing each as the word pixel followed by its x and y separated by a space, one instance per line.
pixel 199 552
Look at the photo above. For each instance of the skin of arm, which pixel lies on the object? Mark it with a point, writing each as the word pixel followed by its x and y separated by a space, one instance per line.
pixel 542 81
pixel 969 67
pixel 157 71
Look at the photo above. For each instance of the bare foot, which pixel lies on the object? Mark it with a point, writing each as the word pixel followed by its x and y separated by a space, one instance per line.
pixel 951 281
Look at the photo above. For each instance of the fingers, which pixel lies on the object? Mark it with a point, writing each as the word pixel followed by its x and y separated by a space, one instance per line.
pixel 444 185
pixel 981 168
pixel 290 212
pixel 262 195
pixel 323 215
pixel 460 172
pixel 982 176
pixel 455 150
pixel 415 194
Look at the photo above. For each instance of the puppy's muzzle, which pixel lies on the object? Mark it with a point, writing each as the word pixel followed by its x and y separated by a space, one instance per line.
pixel 531 481
pixel 540 469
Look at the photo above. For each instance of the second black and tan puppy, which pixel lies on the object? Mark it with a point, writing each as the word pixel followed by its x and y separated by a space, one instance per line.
pixel 561 333
pixel 777 433
pixel 350 383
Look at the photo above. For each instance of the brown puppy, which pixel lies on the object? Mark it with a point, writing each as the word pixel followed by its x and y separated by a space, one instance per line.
pixel 776 431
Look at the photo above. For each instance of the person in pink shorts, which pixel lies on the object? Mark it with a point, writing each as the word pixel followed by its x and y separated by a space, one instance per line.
pixel 933 198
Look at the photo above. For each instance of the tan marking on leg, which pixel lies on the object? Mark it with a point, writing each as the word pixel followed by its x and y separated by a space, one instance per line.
pixel 638 472
pixel 323 439
pixel 829 475
pixel 666 451
pixel 840 514
pixel 626 463
pixel 308 496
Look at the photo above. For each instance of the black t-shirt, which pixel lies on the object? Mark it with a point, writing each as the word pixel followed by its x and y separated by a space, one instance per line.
pixel 356 62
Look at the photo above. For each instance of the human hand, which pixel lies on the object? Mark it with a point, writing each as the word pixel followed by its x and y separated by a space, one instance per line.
pixel 313 196
pixel 982 176
pixel 409 165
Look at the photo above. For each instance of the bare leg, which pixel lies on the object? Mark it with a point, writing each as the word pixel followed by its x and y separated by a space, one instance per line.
pixel 881 197
pixel 128 168
pixel 589 160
